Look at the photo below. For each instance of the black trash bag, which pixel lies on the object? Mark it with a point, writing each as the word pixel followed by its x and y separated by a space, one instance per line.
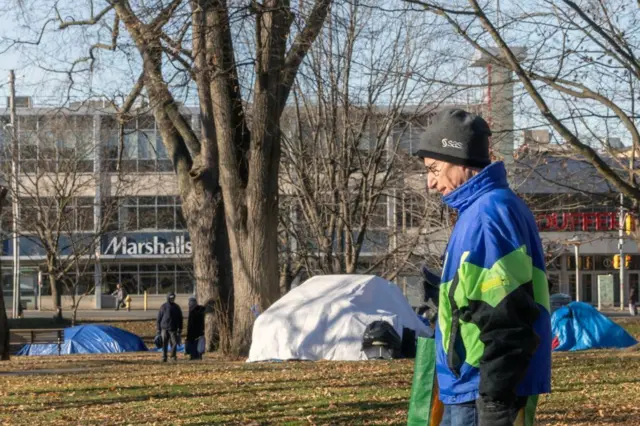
pixel 381 341
pixel 408 343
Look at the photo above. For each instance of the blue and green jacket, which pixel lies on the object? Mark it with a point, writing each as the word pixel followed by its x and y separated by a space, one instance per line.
pixel 493 332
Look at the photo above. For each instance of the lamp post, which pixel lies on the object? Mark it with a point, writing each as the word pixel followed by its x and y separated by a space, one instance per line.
pixel 575 242
pixel 621 249
pixel 14 196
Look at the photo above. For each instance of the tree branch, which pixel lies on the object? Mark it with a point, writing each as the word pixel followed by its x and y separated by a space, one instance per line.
pixel 86 22
pixel 585 150
pixel 301 46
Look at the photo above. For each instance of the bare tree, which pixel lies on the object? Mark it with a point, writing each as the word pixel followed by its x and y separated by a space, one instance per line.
pixel 55 187
pixel 580 71
pixel 360 103
pixel 242 80
pixel 4 322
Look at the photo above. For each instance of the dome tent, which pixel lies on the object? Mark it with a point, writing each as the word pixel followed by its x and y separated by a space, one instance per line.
pixel 579 326
pixel 90 339
pixel 325 318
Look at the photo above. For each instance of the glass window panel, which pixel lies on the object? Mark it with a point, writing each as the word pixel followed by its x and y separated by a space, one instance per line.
pixel 127 166
pixel 166 219
pixel 147 201
pixel 109 282
pixel 184 283
pixel 166 282
pixel 161 150
pixel 169 267
pixel 147 218
pixel 85 284
pixel 146 122
pixel 128 218
pixel 146 165
pixel 180 220
pixel 108 126
pixel 130 145
pixel 166 201
pixel 130 282
pixel 148 268
pixel 165 166
pixel 129 268
pixel 7 284
pixel 148 283
pixel 131 124
pixel 146 147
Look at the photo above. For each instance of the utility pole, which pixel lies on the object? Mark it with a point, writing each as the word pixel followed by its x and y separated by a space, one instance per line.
pixel 620 248
pixel 14 195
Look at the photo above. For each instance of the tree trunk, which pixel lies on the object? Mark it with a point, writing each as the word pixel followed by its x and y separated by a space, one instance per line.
pixel 211 262
pixel 286 277
pixel 255 264
pixel 4 321
pixel 4 331
pixel 56 291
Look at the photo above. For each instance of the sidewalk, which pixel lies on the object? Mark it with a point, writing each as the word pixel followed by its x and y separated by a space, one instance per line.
pixel 95 314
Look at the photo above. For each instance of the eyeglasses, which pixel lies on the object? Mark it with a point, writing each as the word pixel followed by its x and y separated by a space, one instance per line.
pixel 433 169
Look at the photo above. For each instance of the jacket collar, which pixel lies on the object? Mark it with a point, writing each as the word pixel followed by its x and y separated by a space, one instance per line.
pixel 494 176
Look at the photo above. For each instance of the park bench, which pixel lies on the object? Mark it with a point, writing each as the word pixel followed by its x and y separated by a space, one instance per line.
pixel 39 335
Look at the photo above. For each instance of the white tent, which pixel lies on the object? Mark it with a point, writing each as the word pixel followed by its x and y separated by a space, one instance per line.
pixel 325 318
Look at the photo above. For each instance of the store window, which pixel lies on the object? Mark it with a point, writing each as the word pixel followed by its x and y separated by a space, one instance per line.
pixel 142 147
pixel 162 213
pixel 152 278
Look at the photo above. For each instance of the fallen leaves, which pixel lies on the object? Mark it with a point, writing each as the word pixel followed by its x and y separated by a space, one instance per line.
pixel 590 388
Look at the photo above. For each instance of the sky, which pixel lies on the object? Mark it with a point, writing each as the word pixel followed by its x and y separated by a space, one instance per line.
pixel 118 73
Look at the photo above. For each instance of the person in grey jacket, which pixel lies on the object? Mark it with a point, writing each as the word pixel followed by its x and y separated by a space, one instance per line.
pixel 119 295
pixel 169 326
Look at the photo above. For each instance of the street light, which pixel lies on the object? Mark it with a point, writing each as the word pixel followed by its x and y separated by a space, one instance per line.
pixel 575 241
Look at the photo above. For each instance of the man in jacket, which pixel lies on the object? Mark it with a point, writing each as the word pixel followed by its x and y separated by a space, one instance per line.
pixel 195 329
pixel 493 333
pixel 169 325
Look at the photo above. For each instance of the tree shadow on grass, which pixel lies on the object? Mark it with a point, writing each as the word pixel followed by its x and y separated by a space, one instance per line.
pixel 277 413
pixel 587 416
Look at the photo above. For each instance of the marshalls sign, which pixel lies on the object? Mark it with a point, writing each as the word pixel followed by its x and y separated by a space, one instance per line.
pixel 128 246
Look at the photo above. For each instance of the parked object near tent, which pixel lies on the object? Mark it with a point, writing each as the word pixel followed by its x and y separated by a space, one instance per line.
pixel 381 341
pixel 90 339
pixel 325 318
pixel 579 326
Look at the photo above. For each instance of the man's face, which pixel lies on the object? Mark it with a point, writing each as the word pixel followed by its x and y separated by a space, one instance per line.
pixel 446 177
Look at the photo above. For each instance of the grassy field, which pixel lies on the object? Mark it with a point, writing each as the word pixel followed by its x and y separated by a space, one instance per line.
pixel 589 388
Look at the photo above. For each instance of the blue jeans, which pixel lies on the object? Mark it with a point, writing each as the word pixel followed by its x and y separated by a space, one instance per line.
pixel 460 415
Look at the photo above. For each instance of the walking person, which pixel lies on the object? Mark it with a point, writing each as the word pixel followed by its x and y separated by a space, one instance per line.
pixel 633 300
pixel 195 329
pixel 119 295
pixel 169 326
pixel 493 333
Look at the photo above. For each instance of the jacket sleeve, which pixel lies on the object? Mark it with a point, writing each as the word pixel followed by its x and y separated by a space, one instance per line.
pixel 501 303
pixel 159 320
pixel 181 319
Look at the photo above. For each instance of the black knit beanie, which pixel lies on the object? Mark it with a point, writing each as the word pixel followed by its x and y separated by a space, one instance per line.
pixel 457 137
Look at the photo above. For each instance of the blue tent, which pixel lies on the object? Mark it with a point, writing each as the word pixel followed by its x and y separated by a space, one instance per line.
pixel 90 339
pixel 579 326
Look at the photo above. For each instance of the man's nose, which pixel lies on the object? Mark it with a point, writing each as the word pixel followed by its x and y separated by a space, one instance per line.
pixel 431 181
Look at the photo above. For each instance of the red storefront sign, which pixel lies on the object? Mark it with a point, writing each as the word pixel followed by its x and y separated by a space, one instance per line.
pixel 579 222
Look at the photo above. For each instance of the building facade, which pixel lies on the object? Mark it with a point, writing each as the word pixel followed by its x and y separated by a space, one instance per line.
pixel 127 200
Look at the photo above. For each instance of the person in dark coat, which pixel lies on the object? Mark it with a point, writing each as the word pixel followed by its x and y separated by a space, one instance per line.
pixel 169 326
pixel 195 329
